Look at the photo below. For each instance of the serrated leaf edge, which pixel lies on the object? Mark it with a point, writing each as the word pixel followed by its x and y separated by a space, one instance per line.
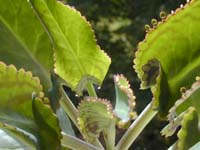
pixel 94 40
pixel 139 52
pixel 95 100
pixel 131 98
pixel 98 100
pixel 23 72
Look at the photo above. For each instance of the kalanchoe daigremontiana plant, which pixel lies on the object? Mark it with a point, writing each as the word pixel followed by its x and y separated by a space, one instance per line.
pixel 57 45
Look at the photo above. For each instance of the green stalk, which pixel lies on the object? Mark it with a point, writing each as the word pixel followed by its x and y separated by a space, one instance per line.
pixel 75 143
pixel 68 107
pixel 136 128
pixel 91 90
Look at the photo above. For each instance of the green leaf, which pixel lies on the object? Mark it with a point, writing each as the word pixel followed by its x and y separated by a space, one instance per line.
pixel 25 140
pixel 16 88
pixel 125 100
pixel 18 109
pixel 168 42
pixel 189 133
pixel 75 47
pixel 23 41
pixel 48 126
pixel 96 115
pixel 190 98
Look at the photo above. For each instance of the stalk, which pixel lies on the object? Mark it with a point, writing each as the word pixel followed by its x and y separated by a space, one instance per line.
pixel 68 107
pixel 136 128
pixel 76 144
pixel 91 90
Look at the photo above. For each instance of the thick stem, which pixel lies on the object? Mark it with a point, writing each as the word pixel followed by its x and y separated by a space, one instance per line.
pixel 91 90
pixel 76 144
pixel 136 128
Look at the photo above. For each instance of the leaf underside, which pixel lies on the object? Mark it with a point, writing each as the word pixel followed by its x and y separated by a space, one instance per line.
pixel 74 43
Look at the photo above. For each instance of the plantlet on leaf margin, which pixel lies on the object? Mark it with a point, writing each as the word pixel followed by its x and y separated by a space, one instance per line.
pixel 179 117
pixel 179 69
pixel 58 33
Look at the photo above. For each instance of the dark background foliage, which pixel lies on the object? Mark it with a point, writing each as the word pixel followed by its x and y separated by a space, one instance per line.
pixel 119 27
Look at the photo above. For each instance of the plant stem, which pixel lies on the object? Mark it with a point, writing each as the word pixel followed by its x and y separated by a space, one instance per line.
pixel 136 128
pixel 91 90
pixel 77 144
pixel 68 107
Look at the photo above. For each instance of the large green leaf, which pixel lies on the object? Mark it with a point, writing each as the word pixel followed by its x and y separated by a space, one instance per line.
pixel 23 41
pixel 174 42
pixel 17 108
pixel 16 88
pixel 76 52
